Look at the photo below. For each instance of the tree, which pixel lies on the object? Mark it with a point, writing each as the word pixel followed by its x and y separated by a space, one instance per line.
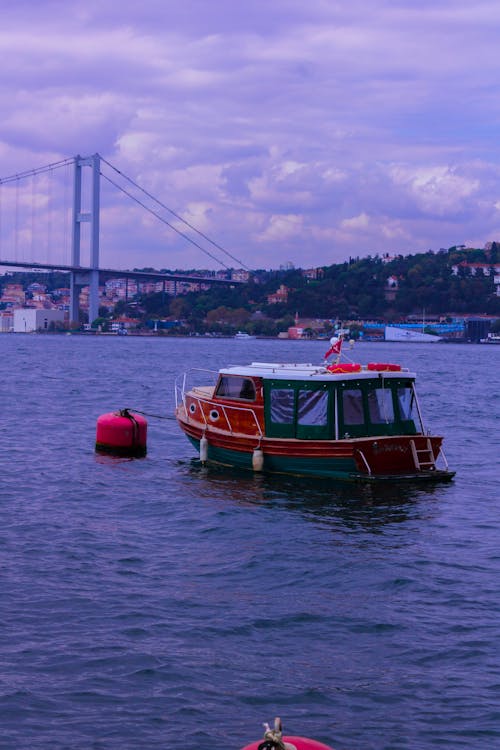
pixel 178 308
pixel 101 324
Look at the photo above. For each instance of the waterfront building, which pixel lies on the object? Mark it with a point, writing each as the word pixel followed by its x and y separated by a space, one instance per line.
pixel 29 319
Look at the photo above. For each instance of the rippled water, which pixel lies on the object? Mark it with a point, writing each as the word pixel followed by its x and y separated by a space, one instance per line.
pixel 153 603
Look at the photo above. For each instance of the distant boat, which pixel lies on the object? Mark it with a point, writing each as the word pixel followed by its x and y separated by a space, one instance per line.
pixel 492 338
pixel 243 336
pixel 393 333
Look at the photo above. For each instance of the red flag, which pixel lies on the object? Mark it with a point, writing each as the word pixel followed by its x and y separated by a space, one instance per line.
pixel 335 347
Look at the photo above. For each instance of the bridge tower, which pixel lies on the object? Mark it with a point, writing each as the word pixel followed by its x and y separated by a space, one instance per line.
pixel 82 278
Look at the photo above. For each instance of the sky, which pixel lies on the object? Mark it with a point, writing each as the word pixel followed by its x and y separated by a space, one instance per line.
pixel 285 131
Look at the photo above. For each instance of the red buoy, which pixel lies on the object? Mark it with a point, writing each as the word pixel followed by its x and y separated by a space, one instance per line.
pixel 300 743
pixel 121 433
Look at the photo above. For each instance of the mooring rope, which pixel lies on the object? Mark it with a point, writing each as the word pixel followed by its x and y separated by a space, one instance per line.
pixel 148 414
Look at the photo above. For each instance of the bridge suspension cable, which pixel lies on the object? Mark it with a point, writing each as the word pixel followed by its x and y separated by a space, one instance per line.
pixel 70 162
pixel 164 221
pixel 171 211
pixel 38 170
pixel 24 206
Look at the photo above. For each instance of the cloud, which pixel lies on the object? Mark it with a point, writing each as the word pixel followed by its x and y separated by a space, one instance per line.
pixel 281 228
pixel 437 190
pixel 279 127
pixel 360 222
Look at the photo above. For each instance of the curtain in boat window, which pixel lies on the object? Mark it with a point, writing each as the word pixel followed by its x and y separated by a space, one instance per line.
pixel 352 402
pixel 380 406
pixel 312 408
pixel 282 405
pixel 407 405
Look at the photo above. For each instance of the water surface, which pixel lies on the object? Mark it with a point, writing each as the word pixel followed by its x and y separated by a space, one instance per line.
pixel 154 603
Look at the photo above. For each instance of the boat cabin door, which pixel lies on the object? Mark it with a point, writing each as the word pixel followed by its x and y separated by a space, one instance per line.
pixel 299 409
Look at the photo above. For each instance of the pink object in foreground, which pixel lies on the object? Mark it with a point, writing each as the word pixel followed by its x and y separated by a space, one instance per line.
pixel 300 743
pixel 121 434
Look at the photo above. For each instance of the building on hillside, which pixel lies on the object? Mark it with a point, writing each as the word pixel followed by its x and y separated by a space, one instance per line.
pixel 280 295
pixel 240 274
pixel 475 268
pixel 28 319
pixel 62 291
pixel 62 298
pixel 391 288
pixel 13 295
pixel 120 288
pixel 83 298
pixel 313 274
pixel 486 269
pixel 41 299
pixel 150 287
pixel 36 288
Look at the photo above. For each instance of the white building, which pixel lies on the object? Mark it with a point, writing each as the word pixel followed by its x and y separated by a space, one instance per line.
pixel 28 319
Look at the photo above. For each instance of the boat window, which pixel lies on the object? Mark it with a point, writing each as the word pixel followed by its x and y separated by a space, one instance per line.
pixel 312 408
pixel 380 406
pixel 407 405
pixel 282 405
pixel 236 387
pixel 352 402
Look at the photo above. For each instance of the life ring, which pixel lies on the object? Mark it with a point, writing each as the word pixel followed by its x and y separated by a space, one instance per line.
pixel 383 367
pixel 344 367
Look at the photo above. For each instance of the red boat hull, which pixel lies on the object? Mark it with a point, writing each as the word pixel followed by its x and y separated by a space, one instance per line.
pixel 367 458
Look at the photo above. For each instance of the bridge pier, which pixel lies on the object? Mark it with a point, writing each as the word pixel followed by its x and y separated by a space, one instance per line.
pixel 74 302
pixel 91 278
pixel 89 273
pixel 94 295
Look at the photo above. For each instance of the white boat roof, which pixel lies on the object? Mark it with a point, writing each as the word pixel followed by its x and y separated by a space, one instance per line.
pixel 292 371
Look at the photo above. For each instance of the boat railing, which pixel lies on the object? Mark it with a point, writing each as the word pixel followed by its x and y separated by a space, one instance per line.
pixel 181 383
pixel 441 455
pixel 363 458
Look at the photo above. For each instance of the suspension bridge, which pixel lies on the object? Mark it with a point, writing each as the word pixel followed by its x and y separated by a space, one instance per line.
pixel 50 219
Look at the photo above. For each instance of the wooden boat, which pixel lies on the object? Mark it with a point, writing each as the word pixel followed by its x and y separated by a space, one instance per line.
pixel 344 421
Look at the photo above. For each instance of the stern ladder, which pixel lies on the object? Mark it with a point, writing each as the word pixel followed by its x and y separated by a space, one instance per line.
pixel 423 458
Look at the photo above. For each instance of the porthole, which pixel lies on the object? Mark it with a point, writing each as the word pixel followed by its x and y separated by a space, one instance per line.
pixel 214 415
pixel 192 408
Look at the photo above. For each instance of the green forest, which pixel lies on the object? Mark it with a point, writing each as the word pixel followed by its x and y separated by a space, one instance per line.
pixel 354 290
